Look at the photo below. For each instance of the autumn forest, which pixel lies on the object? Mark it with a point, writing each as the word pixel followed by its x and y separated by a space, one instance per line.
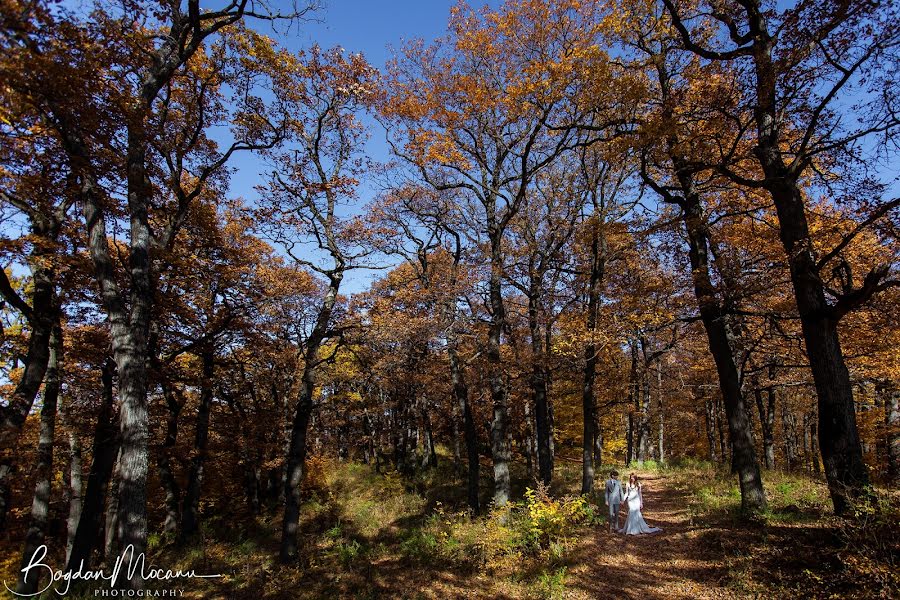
pixel 652 236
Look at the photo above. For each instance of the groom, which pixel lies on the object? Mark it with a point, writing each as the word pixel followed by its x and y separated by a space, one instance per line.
pixel 613 499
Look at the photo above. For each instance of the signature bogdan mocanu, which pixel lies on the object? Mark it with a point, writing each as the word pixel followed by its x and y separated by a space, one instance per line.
pixel 134 563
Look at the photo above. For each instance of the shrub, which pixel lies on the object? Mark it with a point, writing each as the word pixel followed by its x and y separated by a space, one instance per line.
pixel 871 544
pixel 315 479
pixel 551 586
pixel 549 519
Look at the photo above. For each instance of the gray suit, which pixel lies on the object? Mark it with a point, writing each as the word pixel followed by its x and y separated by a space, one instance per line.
pixel 613 499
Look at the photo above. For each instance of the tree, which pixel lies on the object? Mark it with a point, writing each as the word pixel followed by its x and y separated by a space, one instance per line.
pixel 316 170
pixel 673 149
pixel 797 85
pixel 482 112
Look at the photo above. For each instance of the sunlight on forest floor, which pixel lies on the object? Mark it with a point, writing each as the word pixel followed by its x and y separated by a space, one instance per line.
pixel 366 535
pixel 370 535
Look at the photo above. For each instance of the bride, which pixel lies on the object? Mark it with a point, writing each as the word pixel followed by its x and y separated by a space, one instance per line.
pixel 635 523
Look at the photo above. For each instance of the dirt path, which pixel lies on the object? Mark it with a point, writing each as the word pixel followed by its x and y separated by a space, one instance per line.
pixel 680 562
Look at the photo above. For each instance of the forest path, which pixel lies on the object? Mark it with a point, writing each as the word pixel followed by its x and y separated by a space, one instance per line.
pixel 682 561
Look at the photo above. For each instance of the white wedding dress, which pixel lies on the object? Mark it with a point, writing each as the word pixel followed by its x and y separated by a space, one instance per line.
pixel 635 523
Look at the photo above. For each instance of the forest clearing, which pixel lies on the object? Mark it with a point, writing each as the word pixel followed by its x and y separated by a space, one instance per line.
pixel 528 299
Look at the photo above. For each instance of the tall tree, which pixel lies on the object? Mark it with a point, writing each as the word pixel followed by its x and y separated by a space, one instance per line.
pixel 798 84
pixel 315 171
pixel 482 112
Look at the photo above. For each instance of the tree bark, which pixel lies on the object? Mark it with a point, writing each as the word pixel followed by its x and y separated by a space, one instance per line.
pixel 539 387
pixel 166 459
pixel 839 439
pixel 643 443
pixel 190 517
pixel 711 431
pixel 588 397
pixel 296 455
pixel 40 507
pixel 892 425
pixel 76 490
pixel 461 393
pixel 104 451
pixel 766 411
pixel 111 543
pixel 662 427
pixel 788 426
pixel 41 318
pixel 500 451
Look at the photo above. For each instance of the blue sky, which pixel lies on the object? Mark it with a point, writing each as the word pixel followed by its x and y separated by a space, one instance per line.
pixel 358 26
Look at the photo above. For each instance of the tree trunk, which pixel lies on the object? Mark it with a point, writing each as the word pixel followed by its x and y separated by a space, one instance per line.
pixel 190 518
pixel 711 431
pixel 41 321
pixel 767 423
pixel 75 492
pixel 629 439
pixel 643 444
pixel 111 542
pixel 529 443
pixel 598 445
pixel 633 401
pixel 461 393
pixel 296 454
pixel 892 434
pixel 296 459
pixel 588 397
pixel 104 452
pixel 40 507
pixel 167 457
pixel 788 426
pixel 712 312
pixel 721 345
pixel 838 435
pixel 539 387
pixel 500 451
pixel 814 445
pixel 662 427
pixel 429 456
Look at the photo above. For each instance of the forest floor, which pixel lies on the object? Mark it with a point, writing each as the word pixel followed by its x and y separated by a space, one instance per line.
pixel 367 535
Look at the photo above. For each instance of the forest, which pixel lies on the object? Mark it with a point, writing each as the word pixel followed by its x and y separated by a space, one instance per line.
pixel 285 322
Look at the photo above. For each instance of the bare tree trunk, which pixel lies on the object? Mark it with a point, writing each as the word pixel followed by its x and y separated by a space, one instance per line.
pixel 296 454
pixel 104 452
pixel 662 410
pixel 767 423
pixel 643 444
pixel 75 493
pixel 500 451
pixel 892 426
pixel 788 424
pixel 40 507
pixel 429 456
pixel 167 457
pixel 461 393
pixel 633 400
pixel 711 431
pixel 111 541
pixel 190 517
pixel 530 441
pixel 41 318
pixel 721 345
pixel 814 445
pixel 543 433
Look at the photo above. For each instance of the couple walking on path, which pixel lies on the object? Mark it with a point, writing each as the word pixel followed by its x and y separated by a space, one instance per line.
pixel 633 496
